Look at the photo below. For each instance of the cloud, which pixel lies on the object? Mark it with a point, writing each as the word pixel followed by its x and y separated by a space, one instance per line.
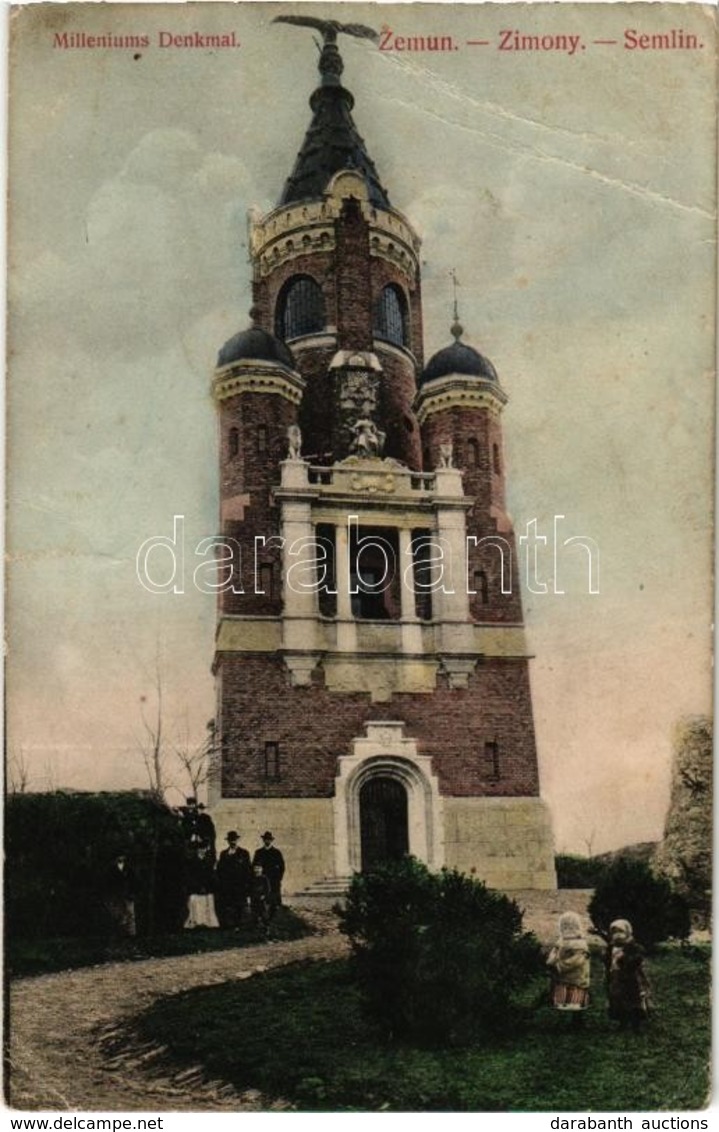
pixel 159 248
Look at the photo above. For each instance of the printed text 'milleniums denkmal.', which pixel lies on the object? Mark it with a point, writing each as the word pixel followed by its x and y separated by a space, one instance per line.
pixel 431 564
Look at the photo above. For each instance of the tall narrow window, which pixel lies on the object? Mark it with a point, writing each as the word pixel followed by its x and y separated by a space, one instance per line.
pixel 390 316
pixel 266 579
pixel 491 758
pixel 423 578
pixel 300 308
pixel 495 460
pixel 327 570
pixel 233 442
pixel 272 761
pixel 481 585
pixel 374 577
pixel 261 439
pixel 472 453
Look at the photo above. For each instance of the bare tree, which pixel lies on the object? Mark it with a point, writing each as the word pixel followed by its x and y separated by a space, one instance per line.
pixel 50 776
pixel 196 759
pixel 152 742
pixel 18 771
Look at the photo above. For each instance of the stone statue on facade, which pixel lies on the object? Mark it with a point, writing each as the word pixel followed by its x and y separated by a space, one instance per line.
pixel 446 451
pixel 294 442
pixel 368 439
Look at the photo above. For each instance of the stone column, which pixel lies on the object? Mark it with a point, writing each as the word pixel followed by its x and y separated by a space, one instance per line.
pixel 300 601
pixel 346 625
pixel 451 600
pixel 411 628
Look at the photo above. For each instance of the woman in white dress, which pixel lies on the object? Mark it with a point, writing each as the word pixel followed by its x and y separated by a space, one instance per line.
pixel 201 888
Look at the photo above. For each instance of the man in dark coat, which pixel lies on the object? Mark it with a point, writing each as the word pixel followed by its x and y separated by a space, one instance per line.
pixel 273 867
pixel 206 829
pixel 234 873
pixel 119 896
pixel 188 819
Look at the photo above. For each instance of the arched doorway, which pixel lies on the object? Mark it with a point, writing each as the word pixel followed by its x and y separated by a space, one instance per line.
pixel 384 827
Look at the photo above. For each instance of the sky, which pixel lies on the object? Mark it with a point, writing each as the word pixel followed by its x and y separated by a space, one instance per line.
pixel 573 196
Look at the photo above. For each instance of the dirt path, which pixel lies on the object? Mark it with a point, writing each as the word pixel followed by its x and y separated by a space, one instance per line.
pixel 59 1023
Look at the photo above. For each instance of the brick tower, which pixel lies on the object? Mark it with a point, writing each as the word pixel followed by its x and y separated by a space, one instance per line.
pixel 372 674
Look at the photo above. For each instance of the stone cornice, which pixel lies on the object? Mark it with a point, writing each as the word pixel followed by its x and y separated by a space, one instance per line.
pixel 383 346
pixel 255 635
pixel 306 227
pixel 254 377
pixel 458 391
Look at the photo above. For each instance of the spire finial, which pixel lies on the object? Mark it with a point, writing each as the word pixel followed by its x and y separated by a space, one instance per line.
pixel 330 64
pixel 457 328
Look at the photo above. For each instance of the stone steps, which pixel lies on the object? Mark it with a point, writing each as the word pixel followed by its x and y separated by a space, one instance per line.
pixel 325 887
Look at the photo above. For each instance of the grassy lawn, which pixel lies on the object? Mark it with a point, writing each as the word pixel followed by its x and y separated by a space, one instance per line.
pixel 42 956
pixel 325 1055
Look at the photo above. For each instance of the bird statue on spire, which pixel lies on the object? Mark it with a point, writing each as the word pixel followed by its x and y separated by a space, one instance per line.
pixel 329 28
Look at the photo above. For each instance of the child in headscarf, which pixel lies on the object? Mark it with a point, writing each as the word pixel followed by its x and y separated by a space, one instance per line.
pixel 627 983
pixel 568 962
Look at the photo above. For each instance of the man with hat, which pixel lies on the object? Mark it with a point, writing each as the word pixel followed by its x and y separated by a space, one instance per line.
pixel 233 882
pixel 273 867
pixel 206 828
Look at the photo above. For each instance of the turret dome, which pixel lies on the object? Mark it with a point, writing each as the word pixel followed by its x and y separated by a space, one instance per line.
pixel 458 358
pixel 255 344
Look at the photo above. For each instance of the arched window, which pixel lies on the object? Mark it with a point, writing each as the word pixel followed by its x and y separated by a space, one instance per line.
pixel 472 453
pixel 233 442
pixel 495 460
pixel 261 439
pixel 390 315
pixel 300 308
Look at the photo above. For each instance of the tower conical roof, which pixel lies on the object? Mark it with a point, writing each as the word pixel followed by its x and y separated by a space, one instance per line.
pixel 332 141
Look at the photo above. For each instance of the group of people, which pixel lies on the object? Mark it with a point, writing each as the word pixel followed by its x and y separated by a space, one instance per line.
pixel 221 890
pixel 628 989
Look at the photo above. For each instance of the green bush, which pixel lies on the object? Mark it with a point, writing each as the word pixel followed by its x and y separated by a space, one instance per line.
pixel 579 872
pixel 631 891
pixel 439 957
pixel 59 847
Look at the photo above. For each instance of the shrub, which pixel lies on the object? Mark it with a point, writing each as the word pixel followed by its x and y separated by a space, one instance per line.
pixel 58 849
pixel 439 957
pixel 631 891
pixel 685 855
pixel 579 872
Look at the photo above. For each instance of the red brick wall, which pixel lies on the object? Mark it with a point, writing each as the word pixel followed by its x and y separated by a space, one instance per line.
pixel 314 727
pixel 397 392
pixel 354 289
pixel 464 427
pixel 352 280
pixel 383 273
pixel 315 419
pixel 254 472
pixel 265 289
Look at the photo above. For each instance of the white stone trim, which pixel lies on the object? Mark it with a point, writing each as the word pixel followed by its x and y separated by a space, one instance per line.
pixel 256 377
pixel 385 750
pixel 459 391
